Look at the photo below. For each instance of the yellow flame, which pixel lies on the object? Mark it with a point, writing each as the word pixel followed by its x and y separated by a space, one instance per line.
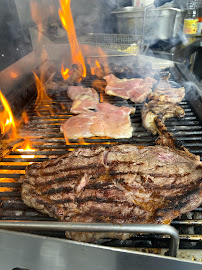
pixel 27 148
pixel 7 122
pixel 65 73
pixel 68 23
pixel 43 101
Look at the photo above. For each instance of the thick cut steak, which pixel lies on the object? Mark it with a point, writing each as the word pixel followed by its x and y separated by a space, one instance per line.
pixel 121 184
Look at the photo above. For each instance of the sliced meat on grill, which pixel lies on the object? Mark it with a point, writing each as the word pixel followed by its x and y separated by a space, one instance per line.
pixel 109 121
pixel 163 110
pixel 84 99
pixel 107 108
pixel 76 92
pixel 75 74
pixel 136 90
pixel 121 184
pixel 83 104
pixel 164 92
pixel 78 126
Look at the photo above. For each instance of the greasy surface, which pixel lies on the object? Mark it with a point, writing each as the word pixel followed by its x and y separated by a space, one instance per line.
pixel 163 110
pixel 122 184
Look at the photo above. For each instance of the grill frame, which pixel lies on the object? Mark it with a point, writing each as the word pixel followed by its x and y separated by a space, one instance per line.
pixel 193 117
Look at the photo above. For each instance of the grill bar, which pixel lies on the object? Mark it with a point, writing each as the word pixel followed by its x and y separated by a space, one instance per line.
pixel 127 228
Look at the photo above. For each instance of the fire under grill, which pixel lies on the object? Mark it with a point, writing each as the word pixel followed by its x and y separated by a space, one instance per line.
pixel 44 133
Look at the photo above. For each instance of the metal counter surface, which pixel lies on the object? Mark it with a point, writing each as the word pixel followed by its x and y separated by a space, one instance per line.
pixel 19 250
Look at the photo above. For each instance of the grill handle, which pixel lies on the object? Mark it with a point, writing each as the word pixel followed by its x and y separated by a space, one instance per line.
pixel 95 227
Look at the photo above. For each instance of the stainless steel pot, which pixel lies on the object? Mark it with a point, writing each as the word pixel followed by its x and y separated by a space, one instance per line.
pixel 159 22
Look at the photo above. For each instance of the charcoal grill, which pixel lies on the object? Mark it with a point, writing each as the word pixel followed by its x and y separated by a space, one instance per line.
pixel 46 138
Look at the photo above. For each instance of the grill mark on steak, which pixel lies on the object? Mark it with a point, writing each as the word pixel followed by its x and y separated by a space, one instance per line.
pixel 93 199
pixel 114 173
pixel 85 167
pixel 102 200
pixel 56 191
pixel 98 185
pixel 60 180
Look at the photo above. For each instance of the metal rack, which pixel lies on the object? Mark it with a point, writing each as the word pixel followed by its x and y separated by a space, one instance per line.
pixel 119 42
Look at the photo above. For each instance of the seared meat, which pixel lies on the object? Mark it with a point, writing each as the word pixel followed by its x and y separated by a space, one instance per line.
pixel 109 120
pixel 136 90
pixel 75 75
pixel 163 110
pixel 121 184
pixel 164 92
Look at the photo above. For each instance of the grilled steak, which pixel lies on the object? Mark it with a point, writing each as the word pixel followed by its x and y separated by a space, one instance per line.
pixel 121 184
pixel 163 110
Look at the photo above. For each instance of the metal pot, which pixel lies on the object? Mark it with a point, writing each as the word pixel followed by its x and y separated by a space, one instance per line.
pixel 159 23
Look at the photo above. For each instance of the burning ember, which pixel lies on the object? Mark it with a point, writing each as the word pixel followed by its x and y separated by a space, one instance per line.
pixel 27 148
pixel 7 122
pixel 68 23
pixel 43 101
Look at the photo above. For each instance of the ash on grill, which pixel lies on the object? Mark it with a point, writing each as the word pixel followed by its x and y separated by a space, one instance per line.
pixel 49 142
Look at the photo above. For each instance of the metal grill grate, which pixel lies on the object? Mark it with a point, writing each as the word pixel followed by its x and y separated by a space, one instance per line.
pixel 46 138
pixel 121 42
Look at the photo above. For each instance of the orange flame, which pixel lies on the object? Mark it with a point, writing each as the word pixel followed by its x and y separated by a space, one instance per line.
pixel 27 148
pixel 7 122
pixel 65 73
pixel 97 66
pixel 68 23
pixel 81 141
pixel 43 101
pixel 24 117
pixel 37 17
pixel 6 180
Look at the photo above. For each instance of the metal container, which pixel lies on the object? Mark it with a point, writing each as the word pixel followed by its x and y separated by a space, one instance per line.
pixel 151 23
